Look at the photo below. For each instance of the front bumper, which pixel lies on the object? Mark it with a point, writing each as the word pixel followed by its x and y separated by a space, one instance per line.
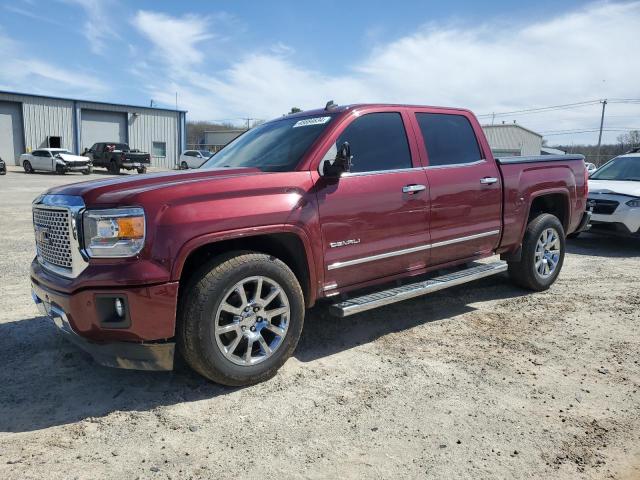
pixel 623 216
pixel 144 342
pixel 136 356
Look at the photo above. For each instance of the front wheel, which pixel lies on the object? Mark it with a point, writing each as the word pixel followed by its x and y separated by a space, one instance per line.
pixel 27 166
pixel 114 168
pixel 240 318
pixel 142 170
pixel 184 166
pixel 542 256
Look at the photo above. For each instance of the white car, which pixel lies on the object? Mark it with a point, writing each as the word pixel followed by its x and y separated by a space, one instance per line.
pixel 614 194
pixel 56 160
pixel 194 158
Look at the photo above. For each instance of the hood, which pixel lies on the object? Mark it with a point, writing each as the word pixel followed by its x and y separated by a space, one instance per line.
pixel 68 157
pixel 620 187
pixel 132 188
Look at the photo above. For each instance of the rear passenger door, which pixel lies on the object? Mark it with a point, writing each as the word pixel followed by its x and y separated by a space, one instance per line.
pixel 374 219
pixel 465 187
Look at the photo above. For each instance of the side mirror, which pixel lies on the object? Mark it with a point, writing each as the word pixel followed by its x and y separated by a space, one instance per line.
pixel 341 164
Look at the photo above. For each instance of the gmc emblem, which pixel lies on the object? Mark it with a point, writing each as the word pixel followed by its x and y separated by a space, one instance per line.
pixel 42 235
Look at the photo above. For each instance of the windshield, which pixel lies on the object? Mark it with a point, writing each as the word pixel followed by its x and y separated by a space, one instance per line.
pixel 205 153
pixel 621 168
pixel 276 146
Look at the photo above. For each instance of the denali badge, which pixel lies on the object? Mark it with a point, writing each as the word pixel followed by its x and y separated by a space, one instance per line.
pixel 42 235
pixel 344 243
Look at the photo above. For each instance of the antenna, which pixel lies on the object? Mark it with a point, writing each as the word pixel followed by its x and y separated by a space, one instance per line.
pixel 330 105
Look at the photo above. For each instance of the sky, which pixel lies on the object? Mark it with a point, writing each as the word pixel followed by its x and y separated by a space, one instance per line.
pixel 232 60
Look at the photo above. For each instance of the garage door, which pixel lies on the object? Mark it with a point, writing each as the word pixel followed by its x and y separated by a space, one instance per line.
pixel 11 137
pixel 99 126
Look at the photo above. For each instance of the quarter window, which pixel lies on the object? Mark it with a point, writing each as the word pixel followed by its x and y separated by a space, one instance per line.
pixel 378 141
pixel 449 139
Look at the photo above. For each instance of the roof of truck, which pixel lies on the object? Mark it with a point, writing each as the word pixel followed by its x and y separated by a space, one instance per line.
pixel 353 106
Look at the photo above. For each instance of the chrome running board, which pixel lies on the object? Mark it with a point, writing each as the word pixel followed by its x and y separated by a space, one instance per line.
pixel 412 290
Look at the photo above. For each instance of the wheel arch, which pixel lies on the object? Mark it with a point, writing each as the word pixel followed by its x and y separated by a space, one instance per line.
pixel 288 244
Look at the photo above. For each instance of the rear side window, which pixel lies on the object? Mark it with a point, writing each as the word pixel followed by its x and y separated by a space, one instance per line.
pixel 378 141
pixel 449 139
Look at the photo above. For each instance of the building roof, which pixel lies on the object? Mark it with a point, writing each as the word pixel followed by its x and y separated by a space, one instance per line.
pixel 505 125
pixel 90 101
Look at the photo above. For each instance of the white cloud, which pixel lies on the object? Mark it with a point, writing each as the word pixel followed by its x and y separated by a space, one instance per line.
pixel 176 40
pixel 20 69
pixel 98 28
pixel 586 54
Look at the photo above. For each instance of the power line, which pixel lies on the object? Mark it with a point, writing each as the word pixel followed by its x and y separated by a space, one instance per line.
pixel 565 106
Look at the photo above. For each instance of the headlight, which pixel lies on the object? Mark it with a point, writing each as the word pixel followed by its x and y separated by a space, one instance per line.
pixel 116 232
pixel 634 203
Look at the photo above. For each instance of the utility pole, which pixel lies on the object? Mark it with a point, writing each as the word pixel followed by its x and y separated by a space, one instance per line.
pixel 604 104
pixel 248 122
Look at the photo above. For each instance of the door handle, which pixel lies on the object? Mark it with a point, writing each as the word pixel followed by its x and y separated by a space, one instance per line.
pixel 488 180
pixel 413 188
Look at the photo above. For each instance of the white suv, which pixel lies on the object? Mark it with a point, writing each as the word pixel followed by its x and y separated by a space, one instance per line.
pixel 193 158
pixel 614 194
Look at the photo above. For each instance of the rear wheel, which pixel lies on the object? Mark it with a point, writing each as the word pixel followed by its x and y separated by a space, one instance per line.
pixel 241 318
pixel 542 256
pixel 27 166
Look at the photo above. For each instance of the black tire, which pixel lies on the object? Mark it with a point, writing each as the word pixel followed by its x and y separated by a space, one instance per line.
pixel 184 166
pixel 142 170
pixel 114 168
pixel 87 171
pixel 524 272
pixel 200 300
pixel 3 171
pixel 60 170
pixel 27 166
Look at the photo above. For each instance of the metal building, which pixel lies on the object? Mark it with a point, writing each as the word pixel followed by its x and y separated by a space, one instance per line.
pixel 29 122
pixel 511 139
pixel 214 140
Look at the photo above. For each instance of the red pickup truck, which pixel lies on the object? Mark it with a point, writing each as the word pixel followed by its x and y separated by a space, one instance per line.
pixel 360 206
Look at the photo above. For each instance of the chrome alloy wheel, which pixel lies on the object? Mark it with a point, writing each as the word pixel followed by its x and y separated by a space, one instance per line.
pixel 252 320
pixel 547 253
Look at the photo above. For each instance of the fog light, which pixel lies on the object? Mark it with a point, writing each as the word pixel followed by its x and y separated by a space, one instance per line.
pixel 119 306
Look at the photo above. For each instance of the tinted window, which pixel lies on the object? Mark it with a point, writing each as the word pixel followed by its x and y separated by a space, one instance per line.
pixel 449 139
pixel 378 141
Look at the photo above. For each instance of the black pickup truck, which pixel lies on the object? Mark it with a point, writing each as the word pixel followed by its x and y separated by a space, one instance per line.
pixel 116 156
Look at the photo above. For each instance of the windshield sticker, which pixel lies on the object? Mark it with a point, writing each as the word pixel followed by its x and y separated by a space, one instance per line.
pixel 311 121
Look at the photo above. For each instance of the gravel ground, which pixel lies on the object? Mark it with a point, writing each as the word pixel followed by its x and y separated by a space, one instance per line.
pixel 481 381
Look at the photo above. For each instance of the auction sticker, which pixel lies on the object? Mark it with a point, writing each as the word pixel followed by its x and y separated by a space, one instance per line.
pixel 311 121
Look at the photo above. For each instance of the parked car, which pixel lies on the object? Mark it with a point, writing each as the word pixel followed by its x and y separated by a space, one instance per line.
pixel 57 160
pixel 193 158
pixel 116 156
pixel 338 204
pixel 3 167
pixel 614 195
pixel 591 167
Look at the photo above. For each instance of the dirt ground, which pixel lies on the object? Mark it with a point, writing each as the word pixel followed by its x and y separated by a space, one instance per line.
pixel 481 381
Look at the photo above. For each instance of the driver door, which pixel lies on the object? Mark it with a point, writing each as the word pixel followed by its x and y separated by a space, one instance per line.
pixel 374 219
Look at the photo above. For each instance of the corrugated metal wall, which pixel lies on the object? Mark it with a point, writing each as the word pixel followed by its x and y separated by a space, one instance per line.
pixel 44 117
pixel 513 138
pixel 147 125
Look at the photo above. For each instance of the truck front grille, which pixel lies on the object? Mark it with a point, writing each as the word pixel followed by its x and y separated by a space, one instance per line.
pixel 53 242
pixel 604 207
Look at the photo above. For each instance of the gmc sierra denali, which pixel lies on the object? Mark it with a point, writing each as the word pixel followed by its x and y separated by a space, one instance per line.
pixel 360 206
